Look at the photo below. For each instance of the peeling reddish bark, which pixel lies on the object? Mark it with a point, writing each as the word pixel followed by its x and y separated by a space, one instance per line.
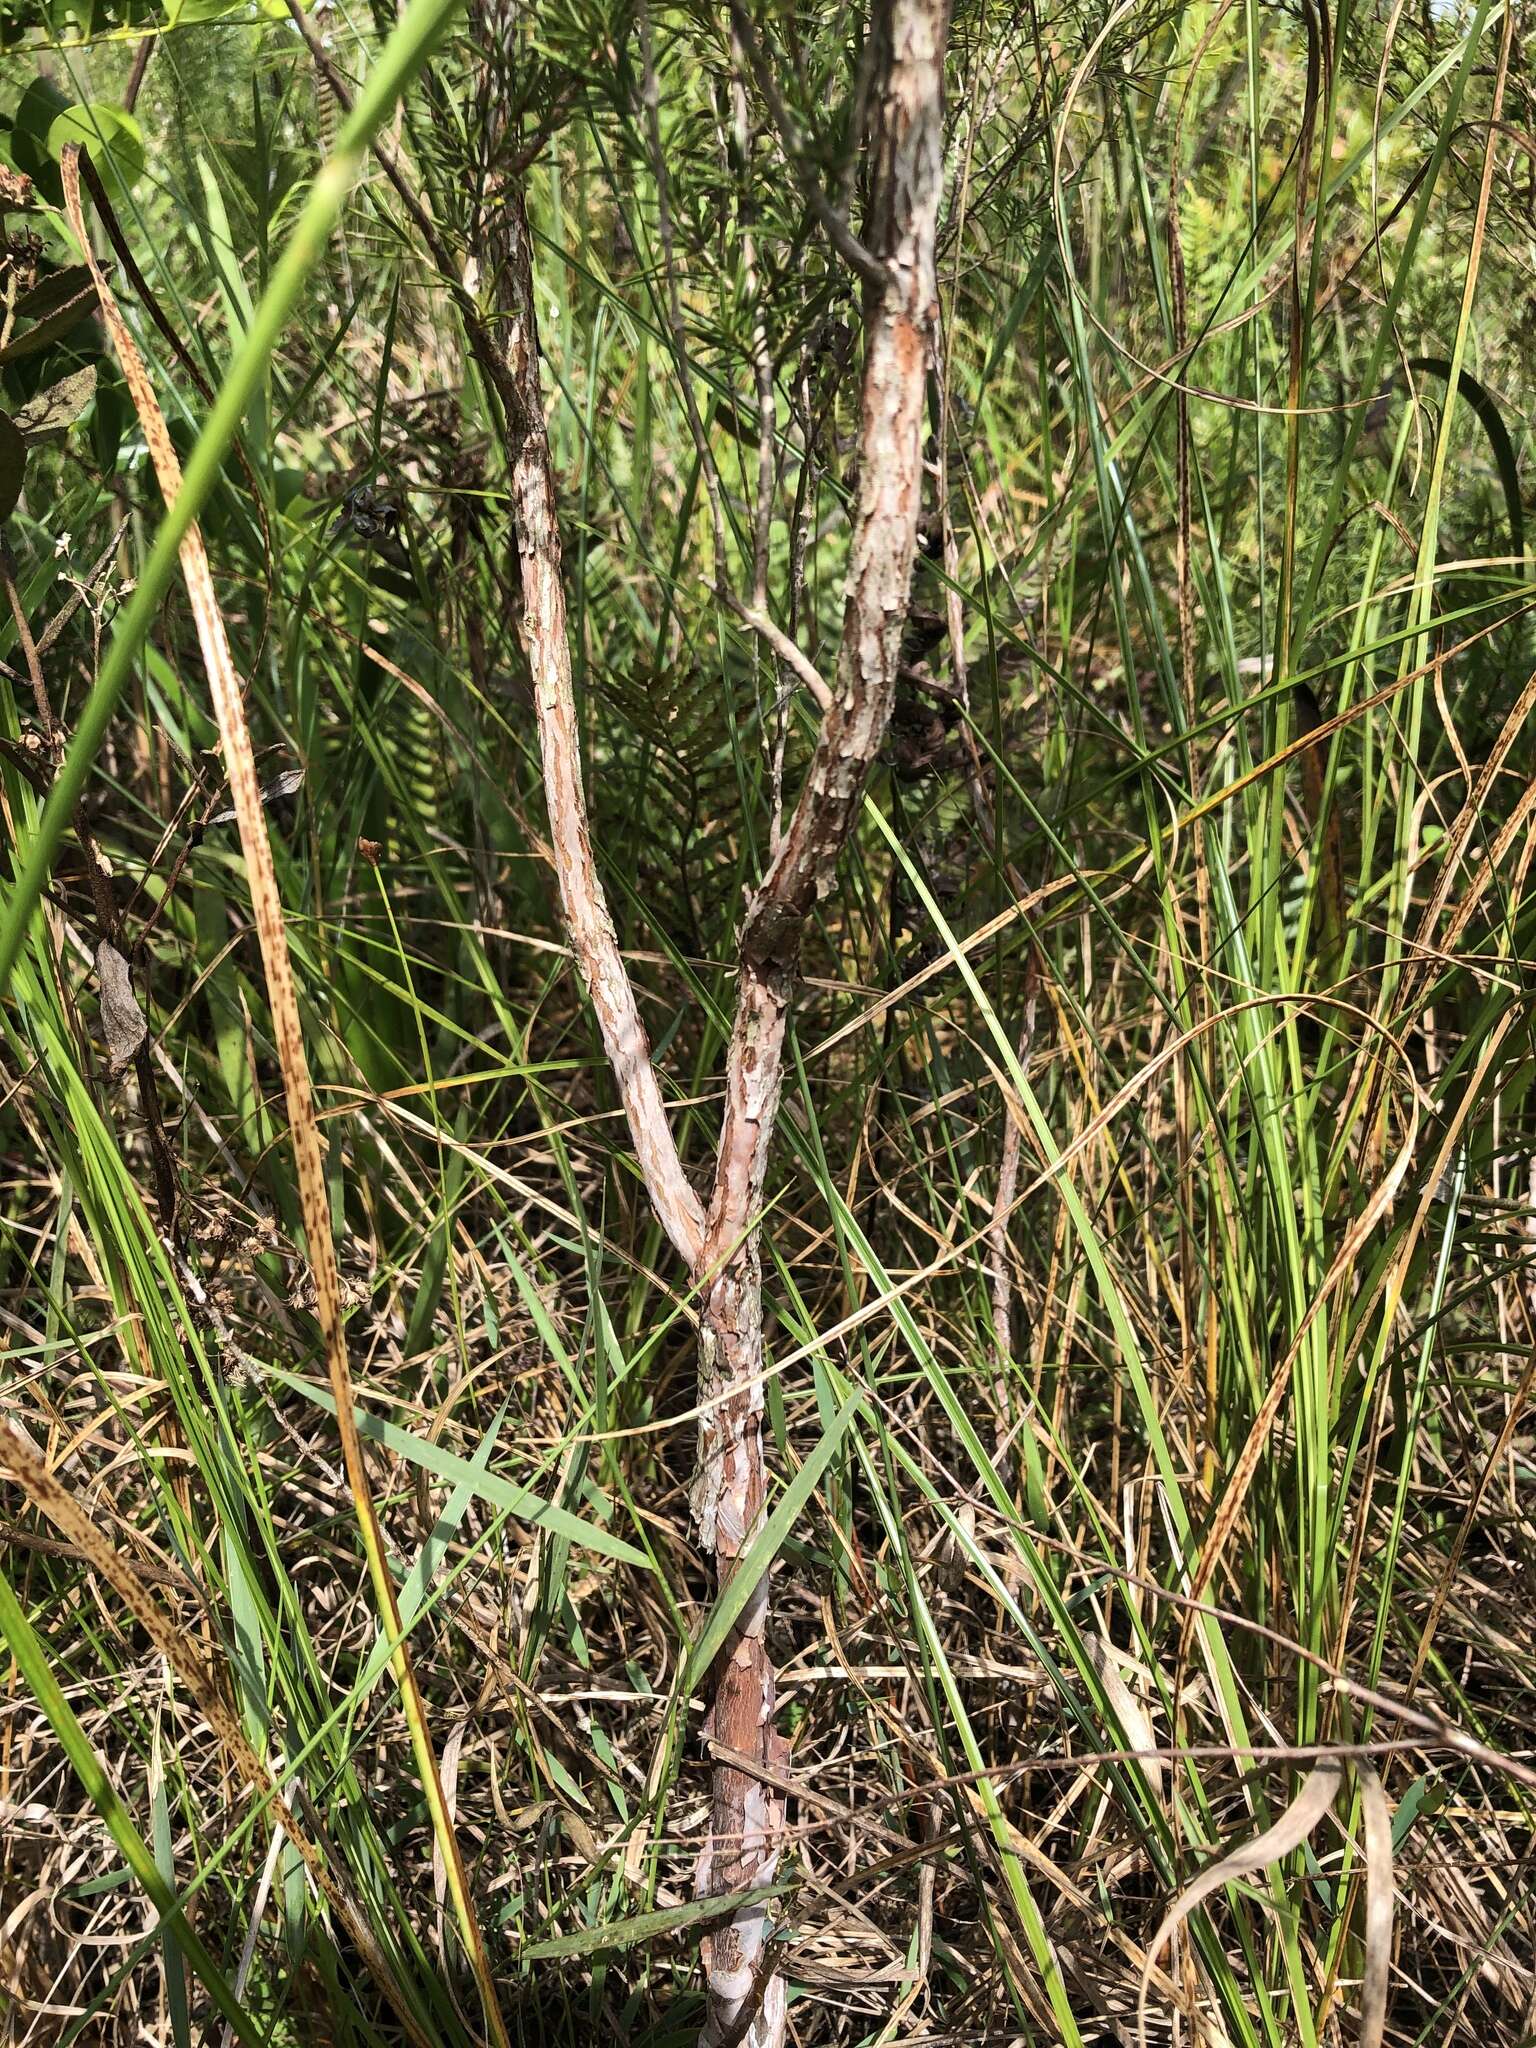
pixel 745 1994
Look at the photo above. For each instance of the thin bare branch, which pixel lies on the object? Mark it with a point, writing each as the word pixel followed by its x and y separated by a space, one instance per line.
pixel 746 1998
pixel 585 905
pixel 833 224
pixel 786 649
pixel 883 547
pixel 708 469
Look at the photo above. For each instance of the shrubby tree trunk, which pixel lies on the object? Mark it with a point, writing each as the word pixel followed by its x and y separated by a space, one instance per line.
pixel 746 2002
pixel 745 1996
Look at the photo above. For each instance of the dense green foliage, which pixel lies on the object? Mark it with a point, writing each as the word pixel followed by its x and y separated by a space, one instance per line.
pixel 1198 858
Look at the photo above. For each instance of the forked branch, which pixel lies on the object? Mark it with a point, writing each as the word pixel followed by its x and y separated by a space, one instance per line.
pixel 746 1998
pixel 745 1995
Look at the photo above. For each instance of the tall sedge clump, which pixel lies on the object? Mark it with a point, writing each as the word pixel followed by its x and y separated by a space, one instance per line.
pixel 719 1242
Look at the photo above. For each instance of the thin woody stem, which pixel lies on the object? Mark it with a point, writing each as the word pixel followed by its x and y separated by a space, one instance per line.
pixel 745 1993
pixel 754 615
pixel 899 321
pixel 594 942
pixel 746 2002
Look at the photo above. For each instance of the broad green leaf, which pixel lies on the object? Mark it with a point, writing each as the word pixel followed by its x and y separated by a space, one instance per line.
pixel 112 140
pixel 36 111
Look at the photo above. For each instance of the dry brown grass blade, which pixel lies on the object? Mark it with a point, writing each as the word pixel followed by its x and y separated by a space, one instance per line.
pixel 1378 1907
pixel 304 1131
pixel 1493 1460
pixel 48 1493
pixel 998 1253
pixel 1129 1711
pixel 1310 1806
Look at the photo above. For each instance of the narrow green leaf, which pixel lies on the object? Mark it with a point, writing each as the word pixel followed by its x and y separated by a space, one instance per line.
pixel 646 1926
pixel 445 1464
pixel 764 1547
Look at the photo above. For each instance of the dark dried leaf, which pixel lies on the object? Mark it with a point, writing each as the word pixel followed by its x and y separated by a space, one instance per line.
pixel 289 783
pixel 54 307
pixel 13 465
pixel 122 1021
pixel 57 289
